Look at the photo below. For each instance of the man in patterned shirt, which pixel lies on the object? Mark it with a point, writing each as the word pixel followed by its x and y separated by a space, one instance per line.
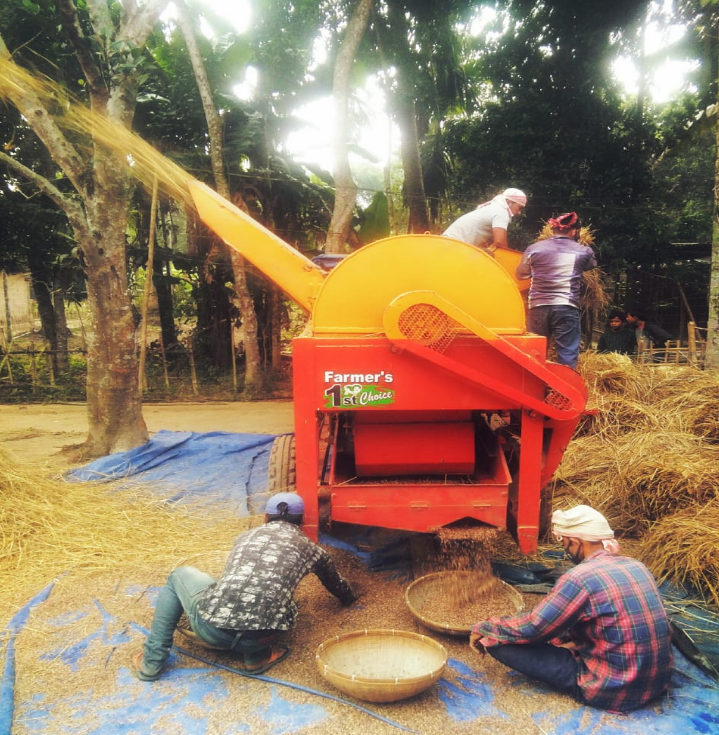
pixel 601 635
pixel 251 603
pixel 555 266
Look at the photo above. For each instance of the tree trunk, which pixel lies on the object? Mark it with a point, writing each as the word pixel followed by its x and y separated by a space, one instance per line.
pixel 413 183
pixel 62 362
pixel 345 187
pixel 712 348
pixel 45 307
pixel 276 312
pixel 253 368
pixel 163 289
pixel 98 210
pixel 114 403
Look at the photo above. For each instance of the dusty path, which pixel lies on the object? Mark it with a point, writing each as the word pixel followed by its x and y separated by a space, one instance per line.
pixel 37 432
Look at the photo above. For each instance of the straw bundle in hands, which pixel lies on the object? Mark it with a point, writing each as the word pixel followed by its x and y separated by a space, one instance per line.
pixel 50 527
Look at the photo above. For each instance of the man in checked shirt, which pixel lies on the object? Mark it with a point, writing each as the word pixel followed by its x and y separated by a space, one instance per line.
pixel 601 635
pixel 250 605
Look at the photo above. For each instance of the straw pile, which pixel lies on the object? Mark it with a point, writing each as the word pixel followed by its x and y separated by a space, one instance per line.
pixel 647 458
pixel 683 546
pixel 50 528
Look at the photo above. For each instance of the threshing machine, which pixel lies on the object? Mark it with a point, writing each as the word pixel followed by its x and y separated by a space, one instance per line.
pixel 420 399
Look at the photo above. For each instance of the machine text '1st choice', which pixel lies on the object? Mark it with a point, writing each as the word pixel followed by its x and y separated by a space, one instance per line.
pixel 356 390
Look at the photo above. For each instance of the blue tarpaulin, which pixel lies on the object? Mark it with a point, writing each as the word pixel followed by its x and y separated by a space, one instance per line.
pixel 217 466
pixel 230 468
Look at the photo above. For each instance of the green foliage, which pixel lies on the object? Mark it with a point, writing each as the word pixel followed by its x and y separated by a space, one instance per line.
pixel 374 223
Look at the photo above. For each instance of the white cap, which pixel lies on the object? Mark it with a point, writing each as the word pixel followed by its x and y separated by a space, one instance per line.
pixel 515 195
pixel 581 522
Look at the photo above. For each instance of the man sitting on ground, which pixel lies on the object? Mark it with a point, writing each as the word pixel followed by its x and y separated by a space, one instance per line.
pixel 251 603
pixel 601 635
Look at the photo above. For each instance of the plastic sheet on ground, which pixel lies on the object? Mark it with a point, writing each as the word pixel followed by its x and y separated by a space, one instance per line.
pixel 212 467
pixel 186 697
pixel 87 638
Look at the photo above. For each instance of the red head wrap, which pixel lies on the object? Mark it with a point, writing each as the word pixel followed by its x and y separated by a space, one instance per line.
pixel 568 221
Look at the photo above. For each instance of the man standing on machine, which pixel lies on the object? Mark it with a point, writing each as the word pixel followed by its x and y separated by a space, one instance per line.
pixel 486 227
pixel 555 266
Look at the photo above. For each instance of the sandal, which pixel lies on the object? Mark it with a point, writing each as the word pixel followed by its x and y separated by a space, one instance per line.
pixel 276 655
pixel 136 666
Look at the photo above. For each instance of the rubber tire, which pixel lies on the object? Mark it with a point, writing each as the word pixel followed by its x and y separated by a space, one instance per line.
pixel 282 477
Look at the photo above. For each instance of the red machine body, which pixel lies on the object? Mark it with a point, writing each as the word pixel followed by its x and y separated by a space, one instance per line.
pixel 414 449
pixel 420 398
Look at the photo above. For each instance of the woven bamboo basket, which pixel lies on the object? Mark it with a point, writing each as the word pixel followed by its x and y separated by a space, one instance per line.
pixel 381 665
pixel 436 585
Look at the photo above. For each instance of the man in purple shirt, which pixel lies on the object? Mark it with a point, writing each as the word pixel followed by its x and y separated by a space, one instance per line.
pixel 555 266
pixel 602 635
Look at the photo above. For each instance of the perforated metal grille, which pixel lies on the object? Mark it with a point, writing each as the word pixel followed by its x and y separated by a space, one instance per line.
pixel 558 400
pixel 429 326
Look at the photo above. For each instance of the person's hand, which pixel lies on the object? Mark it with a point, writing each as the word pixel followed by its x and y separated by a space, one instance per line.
pixel 349 599
pixel 475 645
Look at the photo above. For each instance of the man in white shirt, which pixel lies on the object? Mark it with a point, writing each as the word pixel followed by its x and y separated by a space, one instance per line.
pixel 486 226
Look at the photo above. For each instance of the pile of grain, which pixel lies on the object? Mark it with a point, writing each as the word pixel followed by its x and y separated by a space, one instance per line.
pixel 648 457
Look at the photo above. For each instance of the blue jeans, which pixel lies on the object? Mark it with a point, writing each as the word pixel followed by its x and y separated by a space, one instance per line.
pixel 562 323
pixel 553 665
pixel 182 593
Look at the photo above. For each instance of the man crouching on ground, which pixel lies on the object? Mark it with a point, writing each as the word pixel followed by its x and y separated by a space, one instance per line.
pixel 601 635
pixel 251 604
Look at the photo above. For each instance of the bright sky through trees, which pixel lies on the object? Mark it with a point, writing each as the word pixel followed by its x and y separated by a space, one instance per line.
pixel 313 142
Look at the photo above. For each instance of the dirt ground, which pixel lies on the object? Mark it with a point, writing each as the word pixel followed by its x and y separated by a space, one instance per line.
pixel 36 433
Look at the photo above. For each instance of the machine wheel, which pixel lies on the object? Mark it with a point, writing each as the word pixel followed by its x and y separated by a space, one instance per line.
pixel 281 475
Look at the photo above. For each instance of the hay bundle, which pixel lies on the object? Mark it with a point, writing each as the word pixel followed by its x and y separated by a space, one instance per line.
pixel 631 396
pixel 612 415
pixel 692 413
pixel 682 382
pixel 666 471
pixel 639 477
pixel 618 374
pixel 586 234
pixel 607 373
pixel 648 458
pixel 50 527
pixel 683 547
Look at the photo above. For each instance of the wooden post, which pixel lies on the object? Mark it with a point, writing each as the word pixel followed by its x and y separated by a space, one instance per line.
pixel 692 342
pixel 7 346
pixel 33 367
pixel 50 368
pixel 193 373
pixel 148 287
pixel 164 363
pixel 234 357
pixel 82 327
pixel 8 314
